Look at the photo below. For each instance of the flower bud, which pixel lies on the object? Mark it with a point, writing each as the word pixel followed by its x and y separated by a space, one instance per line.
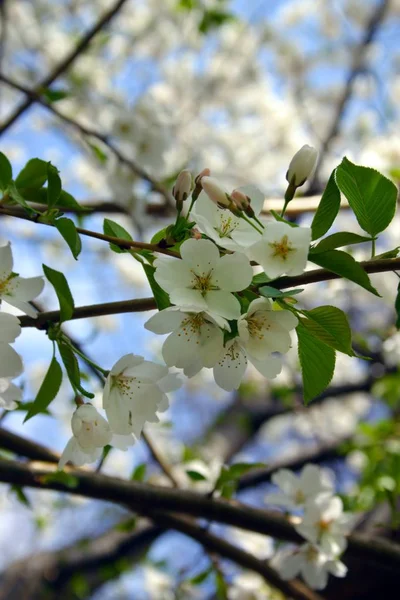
pixel 182 187
pixel 240 199
pixel 302 166
pixel 215 192
pixel 197 183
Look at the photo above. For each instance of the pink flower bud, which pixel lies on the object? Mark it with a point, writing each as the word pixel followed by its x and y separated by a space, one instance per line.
pixel 241 200
pixel 183 186
pixel 204 173
pixel 195 233
pixel 215 192
pixel 302 166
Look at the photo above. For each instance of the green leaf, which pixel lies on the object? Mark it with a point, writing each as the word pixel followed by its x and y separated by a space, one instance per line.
pixel 72 368
pixel 337 240
pixel 39 196
pixel 68 231
pixel 139 472
pixel 271 292
pixel 201 577
pixel 33 175
pixel 317 362
pixel 160 235
pixel 327 210
pixel 343 264
pixel 66 479
pixel 21 496
pixel 330 325
pixel 220 585
pixel 397 307
pixel 48 390
pixel 54 95
pixel 113 229
pixel 195 475
pixel 61 287
pixel 161 297
pixel 98 152
pixel 371 195
pixel 214 18
pixel 127 525
pixel 389 254
pixel 53 186
pixel 18 198
pixel 5 172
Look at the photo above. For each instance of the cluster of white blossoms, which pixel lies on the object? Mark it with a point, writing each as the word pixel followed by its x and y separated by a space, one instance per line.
pixel 18 292
pixel 208 325
pixel 323 525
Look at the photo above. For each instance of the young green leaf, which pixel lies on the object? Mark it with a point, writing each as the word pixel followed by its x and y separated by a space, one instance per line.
pixel 61 287
pixel 33 175
pixel 337 240
pixel 48 390
pixel 20 495
pixel 5 172
pixel 72 368
pixel 327 210
pixel 54 95
pixel 113 229
pixel 53 185
pixel 68 231
pixel 70 481
pixel 139 473
pixel 317 362
pixel 343 264
pixel 161 297
pixel 278 217
pixel 371 195
pixel 15 194
pixel 330 325
pixel 271 292
pixel 195 475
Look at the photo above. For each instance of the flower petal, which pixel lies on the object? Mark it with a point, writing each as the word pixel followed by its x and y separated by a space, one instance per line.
pixel 10 362
pixel 229 371
pixel 165 321
pixel 6 261
pixel 223 303
pixel 233 272
pixel 200 255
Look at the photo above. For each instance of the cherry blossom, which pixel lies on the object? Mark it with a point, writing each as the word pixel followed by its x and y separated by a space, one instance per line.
pixel 135 391
pixel 282 249
pixel 312 482
pixel 326 524
pixel 263 330
pixel 10 394
pixel 15 290
pixel 10 360
pixel 91 433
pixel 222 226
pixel 196 338
pixel 203 280
pixel 311 563
pixel 302 165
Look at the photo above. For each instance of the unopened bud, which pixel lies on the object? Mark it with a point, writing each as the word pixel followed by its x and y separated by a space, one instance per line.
pixel 182 188
pixel 240 199
pixel 215 192
pixel 195 233
pixel 197 183
pixel 302 166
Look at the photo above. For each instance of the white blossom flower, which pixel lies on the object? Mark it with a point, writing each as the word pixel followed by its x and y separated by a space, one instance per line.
pixel 263 330
pixel 302 165
pixel 231 367
pixel 10 360
pixel 10 394
pixel 196 337
pixel 203 280
pixel 311 563
pixel 282 249
pixel 249 586
pixel 91 433
pixel 17 291
pixel 297 490
pixel 182 187
pixel 135 391
pixel 222 226
pixel 215 191
pixel 324 523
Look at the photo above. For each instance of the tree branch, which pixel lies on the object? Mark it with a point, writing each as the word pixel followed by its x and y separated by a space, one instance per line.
pixel 35 96
pixel 65 63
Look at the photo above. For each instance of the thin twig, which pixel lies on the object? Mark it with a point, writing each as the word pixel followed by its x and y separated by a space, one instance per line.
pixel 165 467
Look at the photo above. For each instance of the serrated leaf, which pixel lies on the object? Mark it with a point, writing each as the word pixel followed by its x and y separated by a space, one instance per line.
pixel 343 264
pixel 327 210
pixel 33 175
pixel 160 296
pixel 317 362
pixel 372 196
pixel 53 185
pixel 195 475
pixel 48 390
pixel 113 229
pixel 72 368
pixel 67 229
pixel 61 287
pixel 271 292
pixel 139 473
pixel 5 172
pixel 338 240
pixel 330 325
pixel 397 307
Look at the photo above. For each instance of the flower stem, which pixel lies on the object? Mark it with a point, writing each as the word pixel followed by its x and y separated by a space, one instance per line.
pixel 250 223
pixel 284 208
pixel 85 358
pixel 259 222
pixel 373 248
pixel 190 208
